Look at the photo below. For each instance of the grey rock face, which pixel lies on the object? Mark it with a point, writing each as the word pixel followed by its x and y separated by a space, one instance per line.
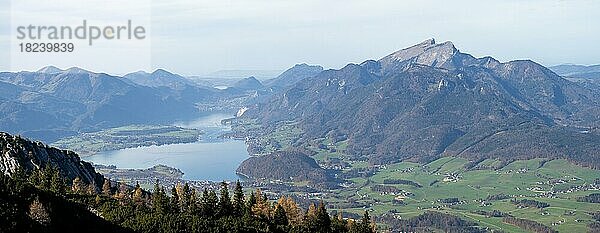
pixel 18 153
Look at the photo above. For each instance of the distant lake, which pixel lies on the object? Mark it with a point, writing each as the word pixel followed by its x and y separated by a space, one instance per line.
pixel 210 159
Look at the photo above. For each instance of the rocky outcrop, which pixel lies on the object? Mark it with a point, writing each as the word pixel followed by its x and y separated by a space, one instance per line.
pixel 19 153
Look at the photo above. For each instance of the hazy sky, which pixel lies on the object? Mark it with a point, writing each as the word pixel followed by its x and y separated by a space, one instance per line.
pixel 199 36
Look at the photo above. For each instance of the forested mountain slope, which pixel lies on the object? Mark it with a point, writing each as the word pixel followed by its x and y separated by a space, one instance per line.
pixel 430 100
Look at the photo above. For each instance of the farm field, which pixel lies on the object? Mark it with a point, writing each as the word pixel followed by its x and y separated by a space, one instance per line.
pixel 555 182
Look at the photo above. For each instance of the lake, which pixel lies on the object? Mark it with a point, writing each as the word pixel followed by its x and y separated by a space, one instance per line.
pixel 209 159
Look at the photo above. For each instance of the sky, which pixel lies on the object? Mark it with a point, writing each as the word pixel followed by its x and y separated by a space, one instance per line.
pixel 193 37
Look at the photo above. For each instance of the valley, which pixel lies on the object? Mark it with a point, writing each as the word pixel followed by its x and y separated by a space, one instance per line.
pixel 452 185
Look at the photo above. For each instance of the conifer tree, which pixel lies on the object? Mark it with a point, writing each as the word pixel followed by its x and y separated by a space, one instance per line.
pixel 280 217
pixel 123 193
pixel 323 219
pixel 193 202
pixel 364 226
pixel 184 197
pixel 57 183
pixel 159 199
pixel 250 202
pixel 174 206
pixel 208 203
pixel 365 222
pixel 225 208
pixel 90 189
pixel 339 224
pixel 238 200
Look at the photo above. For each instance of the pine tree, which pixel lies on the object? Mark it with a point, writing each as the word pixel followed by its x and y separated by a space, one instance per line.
pixel 57 183
pixel 90 189
pixel 38 212
pixel 159 199
pixel 250 203
pixel 280 217
pixel 98 200
pixel 208 203
pixel 339 224
pixel 238 200
pixel 174 206
pixel 323 219
pixel 225 208
pixel 317 219
pixel 193 208
pixel 364 226
pixel 311 213
pixel 123 194
pixel 184 197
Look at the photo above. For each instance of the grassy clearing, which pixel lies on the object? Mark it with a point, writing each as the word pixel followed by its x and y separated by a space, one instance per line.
pixel 127 137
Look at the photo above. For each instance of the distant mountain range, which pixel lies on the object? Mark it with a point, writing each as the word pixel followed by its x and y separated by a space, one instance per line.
pixel 431 100
pixel 571 70
pixel 579 73
pixel 52 103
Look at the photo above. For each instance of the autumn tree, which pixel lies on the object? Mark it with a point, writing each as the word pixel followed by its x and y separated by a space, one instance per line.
pixel 77 187
pixel 106 188
pixel 293 212
pixel 262 207
pixel 137 194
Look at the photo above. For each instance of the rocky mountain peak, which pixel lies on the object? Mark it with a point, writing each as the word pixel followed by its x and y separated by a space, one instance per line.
pixel 428 42
pixel 50 70
pixel 77 70
pixel 161 72
pixel 250 83
pixel 294 75
pixel 425 53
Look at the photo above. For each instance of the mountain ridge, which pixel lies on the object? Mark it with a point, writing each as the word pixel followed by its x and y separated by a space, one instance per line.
pixel 48 106
pixel 416 102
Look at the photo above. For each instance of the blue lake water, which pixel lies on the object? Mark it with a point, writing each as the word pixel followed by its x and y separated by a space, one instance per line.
pixel 209 159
